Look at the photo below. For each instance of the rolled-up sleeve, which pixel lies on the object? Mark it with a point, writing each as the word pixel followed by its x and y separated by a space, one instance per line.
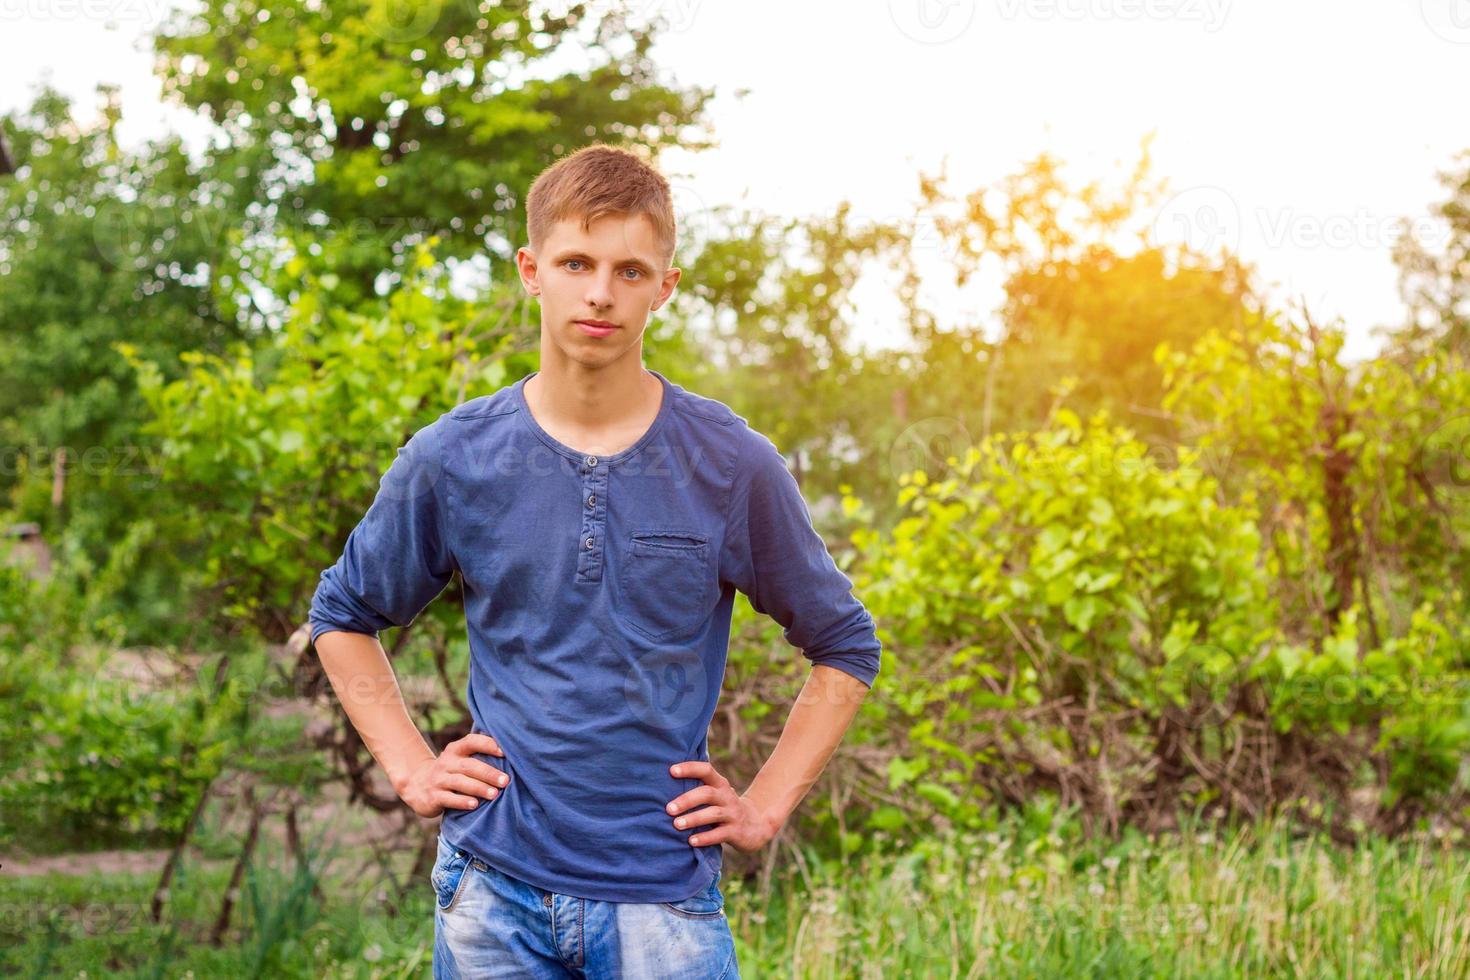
pixel 776 557
pixel 397 559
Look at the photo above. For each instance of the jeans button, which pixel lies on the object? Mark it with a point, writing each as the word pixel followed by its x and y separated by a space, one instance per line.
pixel 547 900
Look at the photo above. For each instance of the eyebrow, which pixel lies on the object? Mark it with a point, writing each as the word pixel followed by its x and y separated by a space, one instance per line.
pixel 635 263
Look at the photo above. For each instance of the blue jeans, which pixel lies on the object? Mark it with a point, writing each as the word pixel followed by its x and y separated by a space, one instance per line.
pixel 490 924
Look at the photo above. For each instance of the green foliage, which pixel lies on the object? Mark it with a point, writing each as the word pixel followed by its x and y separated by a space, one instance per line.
pixel 1071 614
pixel 282 447
pixel 96 752
pixel 1061 569
pixel 1359 470
pixel 99 243
pixel 391 123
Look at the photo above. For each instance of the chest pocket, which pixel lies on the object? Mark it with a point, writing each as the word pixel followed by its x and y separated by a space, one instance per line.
pixel 667 581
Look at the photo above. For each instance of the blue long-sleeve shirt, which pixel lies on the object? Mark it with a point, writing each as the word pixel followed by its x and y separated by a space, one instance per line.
pixel 598 593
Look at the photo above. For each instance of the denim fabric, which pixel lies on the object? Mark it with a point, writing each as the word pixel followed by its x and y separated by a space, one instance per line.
pixel 489 924
pixel 598 592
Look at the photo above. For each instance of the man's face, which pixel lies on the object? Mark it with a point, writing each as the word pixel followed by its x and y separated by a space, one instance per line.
pixel 611 273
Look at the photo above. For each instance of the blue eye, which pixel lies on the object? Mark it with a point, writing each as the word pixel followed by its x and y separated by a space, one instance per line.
pixel 568 262
pixel 635 272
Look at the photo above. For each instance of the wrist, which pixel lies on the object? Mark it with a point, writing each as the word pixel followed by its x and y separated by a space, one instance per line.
pixel 402 776
pixel 772 817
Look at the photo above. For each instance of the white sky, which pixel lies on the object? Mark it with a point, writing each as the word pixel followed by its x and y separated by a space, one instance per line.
pixel 1297 131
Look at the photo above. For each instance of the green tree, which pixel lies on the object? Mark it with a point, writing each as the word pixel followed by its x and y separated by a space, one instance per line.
pixel 98 243
pixel 389 123
pixel 1435 282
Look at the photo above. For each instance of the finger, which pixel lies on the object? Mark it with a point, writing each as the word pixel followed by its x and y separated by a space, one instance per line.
pixel 693 798
pixel 468 785
pixel 697 769
pixel 483 771
pixel 454 801
pixel 706 837
pixel 702 817
pixel 475 742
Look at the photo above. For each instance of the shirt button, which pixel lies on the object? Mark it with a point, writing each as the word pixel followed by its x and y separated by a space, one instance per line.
pixel 591 499
pixel 589 542
pixel 591 460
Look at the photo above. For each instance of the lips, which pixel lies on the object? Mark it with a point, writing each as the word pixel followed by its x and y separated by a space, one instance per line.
pixel 596 328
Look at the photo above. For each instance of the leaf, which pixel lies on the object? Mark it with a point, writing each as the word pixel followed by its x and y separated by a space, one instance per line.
pixel 940 796
pixel 887 818
pixel 1080 611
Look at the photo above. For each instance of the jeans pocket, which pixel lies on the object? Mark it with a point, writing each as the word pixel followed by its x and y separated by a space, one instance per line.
pixel 449 875
pixel 707 903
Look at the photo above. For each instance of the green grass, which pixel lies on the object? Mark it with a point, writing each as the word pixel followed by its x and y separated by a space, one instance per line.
pixel 1008 904
pixel 1259 902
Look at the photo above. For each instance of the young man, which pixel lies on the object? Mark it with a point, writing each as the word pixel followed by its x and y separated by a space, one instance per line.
pixel 602 519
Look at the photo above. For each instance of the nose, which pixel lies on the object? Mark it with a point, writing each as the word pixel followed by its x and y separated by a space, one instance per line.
pixel 599 291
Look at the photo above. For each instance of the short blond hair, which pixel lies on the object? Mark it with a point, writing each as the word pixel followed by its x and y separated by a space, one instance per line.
pixel 598 180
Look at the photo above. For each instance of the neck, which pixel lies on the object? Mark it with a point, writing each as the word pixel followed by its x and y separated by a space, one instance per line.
pixel 572 395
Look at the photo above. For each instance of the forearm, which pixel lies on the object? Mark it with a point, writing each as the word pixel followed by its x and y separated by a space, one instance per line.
pixel 823 711
pixel 360 673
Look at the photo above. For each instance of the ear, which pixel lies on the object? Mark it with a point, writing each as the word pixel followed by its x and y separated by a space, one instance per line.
pixel 671 279
pixel 526 265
